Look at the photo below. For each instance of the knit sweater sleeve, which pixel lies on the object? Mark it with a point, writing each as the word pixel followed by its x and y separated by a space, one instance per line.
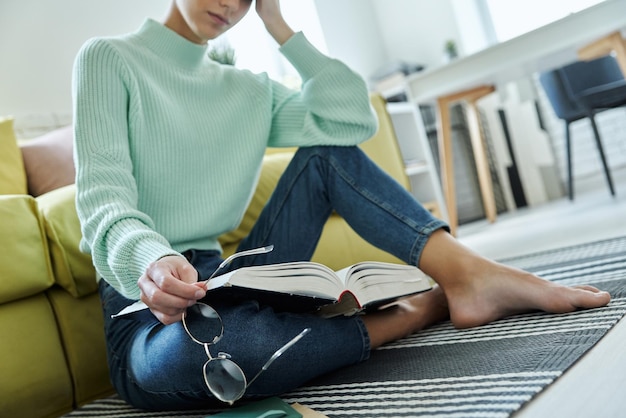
pixel 332 108
pixel 120 238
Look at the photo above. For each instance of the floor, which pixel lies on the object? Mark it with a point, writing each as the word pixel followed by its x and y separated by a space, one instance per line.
pixel 593 387
pixel 594 214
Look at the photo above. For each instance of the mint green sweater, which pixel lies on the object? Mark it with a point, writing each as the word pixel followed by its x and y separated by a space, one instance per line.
pixel 169 144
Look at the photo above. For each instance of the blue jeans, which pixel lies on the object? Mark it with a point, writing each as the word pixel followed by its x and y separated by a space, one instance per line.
pixel 154 366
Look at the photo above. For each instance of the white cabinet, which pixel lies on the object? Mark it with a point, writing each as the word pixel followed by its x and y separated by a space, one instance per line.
pixel 418 157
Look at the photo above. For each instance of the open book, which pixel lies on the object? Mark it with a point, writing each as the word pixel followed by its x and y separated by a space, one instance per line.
pixel 307 286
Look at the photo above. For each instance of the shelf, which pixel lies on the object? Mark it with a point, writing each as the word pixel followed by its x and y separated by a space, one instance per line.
pixel 413 168
pixel 418 157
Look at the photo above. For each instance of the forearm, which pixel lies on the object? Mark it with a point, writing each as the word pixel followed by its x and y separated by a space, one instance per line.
pixel 280 31
pixel 270 14
pixel 332 108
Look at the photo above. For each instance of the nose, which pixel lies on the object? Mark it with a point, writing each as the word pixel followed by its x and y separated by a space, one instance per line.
pixel 230 4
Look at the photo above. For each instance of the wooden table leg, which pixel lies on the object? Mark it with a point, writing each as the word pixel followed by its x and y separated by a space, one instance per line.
pixel 444 137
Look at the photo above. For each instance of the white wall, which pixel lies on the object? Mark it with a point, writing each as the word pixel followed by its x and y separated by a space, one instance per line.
pixel 476 31
pixel 369 34
pixel 353 34
pixel 416 30
pixel 39 40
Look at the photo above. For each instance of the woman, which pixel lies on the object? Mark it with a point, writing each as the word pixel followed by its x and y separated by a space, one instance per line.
pixel 168 151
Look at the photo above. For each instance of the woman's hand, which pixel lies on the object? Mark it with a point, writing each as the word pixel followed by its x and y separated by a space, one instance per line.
pixel 270 14
pixel 169 286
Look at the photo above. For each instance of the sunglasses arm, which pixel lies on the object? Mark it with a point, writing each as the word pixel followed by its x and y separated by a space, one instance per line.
pixel 279 352
pixel 228 260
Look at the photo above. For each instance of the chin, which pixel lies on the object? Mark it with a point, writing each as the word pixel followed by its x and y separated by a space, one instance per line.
pixel 208 35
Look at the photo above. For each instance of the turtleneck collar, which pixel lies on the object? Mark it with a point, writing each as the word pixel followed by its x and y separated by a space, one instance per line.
pixel 170 45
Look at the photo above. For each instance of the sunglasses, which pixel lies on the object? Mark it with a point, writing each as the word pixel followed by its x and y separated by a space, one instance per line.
pixel 224 378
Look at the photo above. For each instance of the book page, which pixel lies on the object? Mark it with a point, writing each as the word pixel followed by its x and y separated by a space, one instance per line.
pixel 367 284
pixel 301 278
pixel 372 281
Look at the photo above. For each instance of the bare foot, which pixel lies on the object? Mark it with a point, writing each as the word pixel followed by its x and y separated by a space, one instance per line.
pixel 406 316
pixel 480 291
pixel 500 291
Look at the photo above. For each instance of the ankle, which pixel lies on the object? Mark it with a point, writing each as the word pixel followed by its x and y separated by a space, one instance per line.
pixel 449 262
pixel 406 316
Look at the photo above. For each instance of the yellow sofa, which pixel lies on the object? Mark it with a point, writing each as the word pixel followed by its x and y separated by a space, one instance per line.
pixel 52 342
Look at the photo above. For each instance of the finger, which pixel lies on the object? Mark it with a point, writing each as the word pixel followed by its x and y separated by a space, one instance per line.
pixel 156 294
pixel 165 290
pixel 186 272
pixel 168 319
pixel 175 276
pixel 166 308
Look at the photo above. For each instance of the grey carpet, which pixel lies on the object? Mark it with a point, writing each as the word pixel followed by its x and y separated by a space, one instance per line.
pixel 488 371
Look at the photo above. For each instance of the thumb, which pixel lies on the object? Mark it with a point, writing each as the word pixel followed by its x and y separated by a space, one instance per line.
pixel 181 268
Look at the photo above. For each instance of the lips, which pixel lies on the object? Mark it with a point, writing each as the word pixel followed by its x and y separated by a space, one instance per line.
pixel 219 19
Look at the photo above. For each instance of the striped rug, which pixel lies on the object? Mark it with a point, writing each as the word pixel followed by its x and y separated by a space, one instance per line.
pixel 488 371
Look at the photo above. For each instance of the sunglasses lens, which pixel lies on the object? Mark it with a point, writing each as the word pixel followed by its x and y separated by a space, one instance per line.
pixel 225 379
pixel 203 323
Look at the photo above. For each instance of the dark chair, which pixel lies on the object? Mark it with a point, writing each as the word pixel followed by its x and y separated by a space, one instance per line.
pixel 581 90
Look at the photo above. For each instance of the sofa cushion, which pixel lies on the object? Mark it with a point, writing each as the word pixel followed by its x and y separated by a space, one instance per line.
pixel 48 161
pixel 83 338
pixel 73 269
pixel 12 176
pixel 332 250
pixel 35 381
pixel 383 147
pixel 24 263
